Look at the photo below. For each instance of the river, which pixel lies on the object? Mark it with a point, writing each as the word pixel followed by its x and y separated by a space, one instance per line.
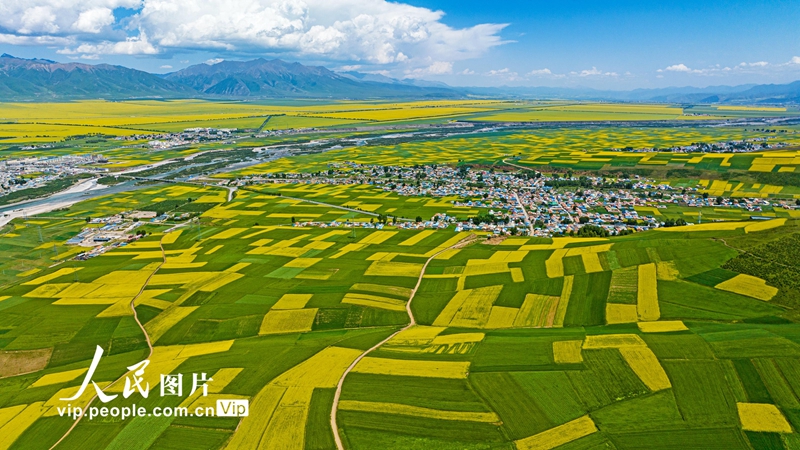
pixel 85 190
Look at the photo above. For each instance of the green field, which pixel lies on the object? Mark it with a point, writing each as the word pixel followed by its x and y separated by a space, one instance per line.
pixel 678 337
pixel 574 148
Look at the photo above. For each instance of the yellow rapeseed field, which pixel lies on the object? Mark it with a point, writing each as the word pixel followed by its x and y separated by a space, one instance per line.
pixel 662 326
pixel 666 270
pixel 288 321
pixel 377 237
pixel 621 313
pixel 412 368
pixel 502 317
pixel 158 326
pixel 647 296
pixel 393 269
pixel 646 366
pixel 764 225
pixel 322 370
pixel 415 336
pixel 591 263
pixel 382 289
pixel 537 311
pixel 762 417
pixel 417 238
pixel 469 308
pixel 567 352
pixel 279 412
pixel 58 378
pixel 750 286
pixel 170 238
pixel 21 421
pixel 292 301
pixel 374 301
pixel 555 264
pixel 612 341
pixel 558 436
pixel 52 276
pixel 566 292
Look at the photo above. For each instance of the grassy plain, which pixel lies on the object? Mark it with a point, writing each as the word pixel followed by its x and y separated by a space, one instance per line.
pixel 576 148
pixel 546 380
pixel 685 338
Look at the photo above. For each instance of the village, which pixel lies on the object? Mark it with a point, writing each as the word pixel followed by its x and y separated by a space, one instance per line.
pixel 27 173
pixel 524 203
pixel 741 146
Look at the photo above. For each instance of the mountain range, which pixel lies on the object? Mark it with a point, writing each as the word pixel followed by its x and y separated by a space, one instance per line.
pixel 42 79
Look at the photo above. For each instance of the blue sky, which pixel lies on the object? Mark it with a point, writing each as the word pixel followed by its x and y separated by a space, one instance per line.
pixel 598 44
pixel 633 36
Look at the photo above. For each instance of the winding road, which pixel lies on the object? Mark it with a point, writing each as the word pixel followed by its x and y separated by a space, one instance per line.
pixel 146 337
pixel 412 322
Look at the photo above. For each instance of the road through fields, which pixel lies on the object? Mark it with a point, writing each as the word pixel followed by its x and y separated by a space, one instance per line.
pixel 146 337
pixel 412 322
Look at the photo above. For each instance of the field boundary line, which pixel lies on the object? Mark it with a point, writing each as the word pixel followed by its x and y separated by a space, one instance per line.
pixel 412 322
pixel 146 337
pixel 322 203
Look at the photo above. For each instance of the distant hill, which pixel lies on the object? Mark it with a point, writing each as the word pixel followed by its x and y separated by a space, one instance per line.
pixel 42 79
pixel 767 93
pixel 384 79
pixel 276 78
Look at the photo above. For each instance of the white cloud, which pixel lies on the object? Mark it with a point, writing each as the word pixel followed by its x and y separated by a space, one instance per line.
pixel 39 19
pixel 213 61
pixel 370 32
pixel 467 72
pixel 504 73
pixel 437 68
pixel 755 64
pixel 540 72
pixel 13 39
pixel 683 68
pixel 59 17
pixel 593 72
pixel 93 20
pixel 678 68
pixel 500 72
pixel 758 67
pixel 440 68
pixel 165 66
pixel 138 45
pixel 349 68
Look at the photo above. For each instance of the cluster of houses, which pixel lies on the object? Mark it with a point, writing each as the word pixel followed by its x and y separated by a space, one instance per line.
pixel 741 146
pixel 27 173
pixel 525 203
pixel 105 233
pixel 189 136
